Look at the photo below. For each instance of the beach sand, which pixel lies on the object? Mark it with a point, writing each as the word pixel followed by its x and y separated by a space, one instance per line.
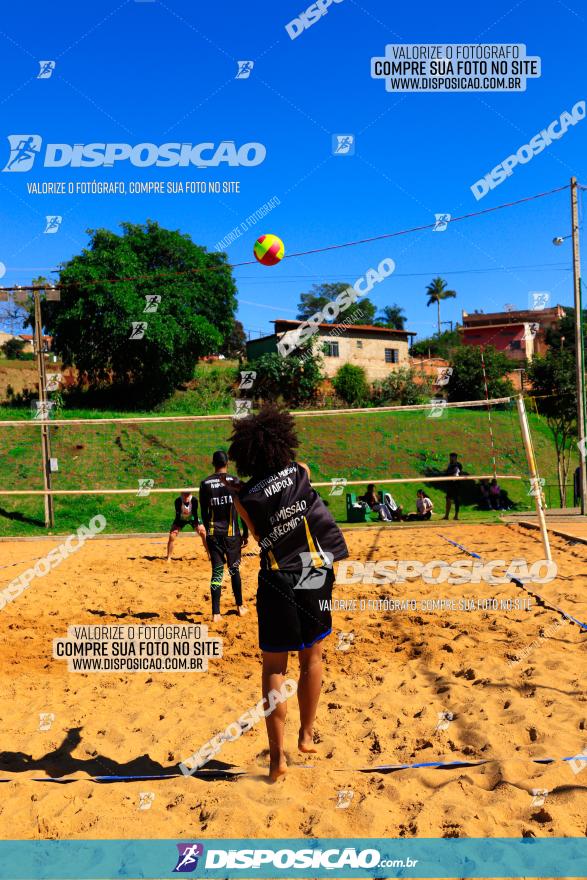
pixel 380 704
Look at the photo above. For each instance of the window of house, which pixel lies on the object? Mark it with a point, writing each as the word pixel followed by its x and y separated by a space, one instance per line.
pixel 359 343
pixel 391 355
pixel 331 349
pixel 516 344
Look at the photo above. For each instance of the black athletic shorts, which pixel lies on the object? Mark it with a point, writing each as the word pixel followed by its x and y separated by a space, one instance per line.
pixel 292 619
pixel 224 549
pixel 178 524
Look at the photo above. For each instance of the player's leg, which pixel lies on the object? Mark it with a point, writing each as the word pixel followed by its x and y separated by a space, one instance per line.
pixel 217 563
pixel 457 502
pixel 173 533
pixel 233 559
pixel 309 687
pixel 274 669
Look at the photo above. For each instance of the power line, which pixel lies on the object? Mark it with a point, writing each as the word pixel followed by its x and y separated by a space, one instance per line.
pixel 319 250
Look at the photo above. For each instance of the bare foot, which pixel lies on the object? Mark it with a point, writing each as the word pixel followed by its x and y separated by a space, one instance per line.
pixel 277 767
pixel 242 610
pixel 306 743
pixel 217 618
pixel 168 559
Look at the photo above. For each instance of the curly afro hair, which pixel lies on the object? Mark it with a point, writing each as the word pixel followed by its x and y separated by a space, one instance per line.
pixel 263 443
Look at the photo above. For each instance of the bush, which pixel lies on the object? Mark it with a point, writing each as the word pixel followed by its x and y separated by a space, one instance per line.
pixel 14 349
pixel 468 382
pixel 350 383
pixel 401 388
pixel 294 380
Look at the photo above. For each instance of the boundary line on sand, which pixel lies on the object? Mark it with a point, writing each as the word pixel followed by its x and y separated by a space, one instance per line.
pixel 558 532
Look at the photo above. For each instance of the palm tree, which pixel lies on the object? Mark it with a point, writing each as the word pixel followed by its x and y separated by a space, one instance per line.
pixel 437 291
pixel 393 316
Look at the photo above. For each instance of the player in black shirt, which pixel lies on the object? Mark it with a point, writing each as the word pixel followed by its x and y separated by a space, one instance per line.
pixel 299 543
pixel 186 514
pixel 454 469
pixel 223 534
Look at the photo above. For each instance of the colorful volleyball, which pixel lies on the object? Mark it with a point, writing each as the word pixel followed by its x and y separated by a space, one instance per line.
pixel 269 250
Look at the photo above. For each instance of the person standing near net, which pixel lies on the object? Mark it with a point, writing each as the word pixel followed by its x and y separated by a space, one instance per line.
pixel 454 469
pixel 299 543
pixel 186 514
pixel 223 535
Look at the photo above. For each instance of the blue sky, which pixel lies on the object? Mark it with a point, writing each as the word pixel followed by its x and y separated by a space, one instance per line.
pixel 155 72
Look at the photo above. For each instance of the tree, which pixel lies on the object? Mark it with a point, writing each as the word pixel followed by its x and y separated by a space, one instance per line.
pixel 393 317
pixel 467 381
pixel 350 383
pixel 362 311
pixel 14 349
pixel 294 379
pixel 439 346
pixel 235 345
pixel 105 293
pixel 437 292
pixel 554 387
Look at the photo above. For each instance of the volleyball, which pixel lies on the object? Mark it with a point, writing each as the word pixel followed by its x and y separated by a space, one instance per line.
pixel 269 250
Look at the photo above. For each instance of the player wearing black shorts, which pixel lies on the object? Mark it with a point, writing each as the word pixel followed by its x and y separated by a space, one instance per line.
pixel 223 534
pixel 186 514
pixel 299 544
pixel 454 469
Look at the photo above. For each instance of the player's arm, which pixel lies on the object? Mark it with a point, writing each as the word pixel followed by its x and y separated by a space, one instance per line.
pixel 234 490
pixel 205 505
pixel 306 468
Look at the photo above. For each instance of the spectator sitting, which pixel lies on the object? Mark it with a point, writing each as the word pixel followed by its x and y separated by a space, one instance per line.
pixel 387 511
pixel 495 495
pixel 485 502
pixel 424 507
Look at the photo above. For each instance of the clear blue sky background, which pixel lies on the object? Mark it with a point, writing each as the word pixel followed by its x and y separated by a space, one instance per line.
pixel 165 71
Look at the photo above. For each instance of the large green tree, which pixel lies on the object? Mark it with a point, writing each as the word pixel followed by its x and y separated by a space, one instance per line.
pixel 441 345
pixel 362 311
pixel 467 381
pixel 106 290
pixel 555 390
pixel 437 292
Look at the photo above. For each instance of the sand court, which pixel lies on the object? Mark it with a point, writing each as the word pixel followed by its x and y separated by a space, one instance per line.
pixel 493 692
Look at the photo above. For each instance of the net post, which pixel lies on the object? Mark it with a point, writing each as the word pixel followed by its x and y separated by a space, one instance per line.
pixel 533 471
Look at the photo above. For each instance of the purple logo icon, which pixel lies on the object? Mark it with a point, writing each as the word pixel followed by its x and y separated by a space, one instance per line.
pixel 187 861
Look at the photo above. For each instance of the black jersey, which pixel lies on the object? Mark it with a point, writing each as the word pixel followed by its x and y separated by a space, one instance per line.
pixel 186 512
pixel 454 470
pixel 294 526
pixel 218 511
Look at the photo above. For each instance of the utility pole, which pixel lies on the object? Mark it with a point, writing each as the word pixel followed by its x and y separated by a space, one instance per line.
pixel 43 409
pixel 580 353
